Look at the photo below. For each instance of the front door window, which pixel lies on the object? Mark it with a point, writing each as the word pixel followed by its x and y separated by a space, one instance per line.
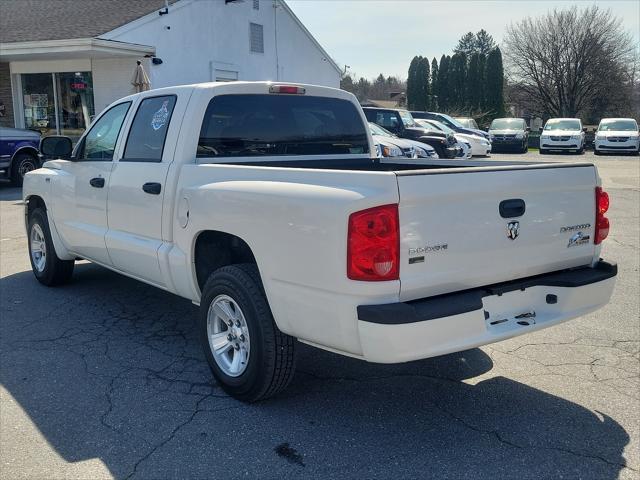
pixel 58 103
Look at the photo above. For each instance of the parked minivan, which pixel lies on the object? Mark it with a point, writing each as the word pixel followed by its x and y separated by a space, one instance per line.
pixel 509 133
pixel 562 134
pixel 617 135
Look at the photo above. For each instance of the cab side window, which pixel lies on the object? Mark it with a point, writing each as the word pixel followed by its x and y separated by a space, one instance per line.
pixel 149 130
pixel 100 143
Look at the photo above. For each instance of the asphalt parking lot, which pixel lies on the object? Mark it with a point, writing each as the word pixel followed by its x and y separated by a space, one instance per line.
pixel 104 378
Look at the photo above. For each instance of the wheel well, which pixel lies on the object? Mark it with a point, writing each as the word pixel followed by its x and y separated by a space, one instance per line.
pixel 28 150
pixel 34 202
pixel 214 250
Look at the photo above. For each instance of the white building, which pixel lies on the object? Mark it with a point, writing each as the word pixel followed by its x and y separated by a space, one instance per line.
pixel 63 61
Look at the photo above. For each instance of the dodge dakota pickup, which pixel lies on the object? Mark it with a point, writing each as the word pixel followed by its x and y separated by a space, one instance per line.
pixel 266 206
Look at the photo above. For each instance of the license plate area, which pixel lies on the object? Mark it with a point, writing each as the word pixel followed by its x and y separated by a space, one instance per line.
pixel 511 310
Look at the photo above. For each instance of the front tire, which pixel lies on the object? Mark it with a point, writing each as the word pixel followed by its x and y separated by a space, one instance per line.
pixel 47 267
pixel 543 151
pixel 22 164
pixel 249 357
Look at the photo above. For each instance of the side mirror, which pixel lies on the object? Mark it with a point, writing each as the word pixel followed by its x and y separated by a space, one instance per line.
pixel 540 129
pixel 584 129
pixel 56 147
pixel 528 129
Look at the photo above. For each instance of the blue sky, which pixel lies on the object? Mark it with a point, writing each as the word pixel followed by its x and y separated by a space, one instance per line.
pixel 382 36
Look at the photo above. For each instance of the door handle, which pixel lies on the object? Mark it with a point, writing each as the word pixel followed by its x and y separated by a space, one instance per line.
pixel 97 182
pixel 153 188
pixel 511 208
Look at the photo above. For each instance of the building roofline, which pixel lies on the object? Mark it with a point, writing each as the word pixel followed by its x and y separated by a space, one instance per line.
pixel 74 44
pixel 308 33
pixel 137 22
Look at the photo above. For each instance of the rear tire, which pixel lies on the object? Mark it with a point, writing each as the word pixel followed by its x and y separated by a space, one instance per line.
pixel 22 164
pixel 267 356
pixel 46 266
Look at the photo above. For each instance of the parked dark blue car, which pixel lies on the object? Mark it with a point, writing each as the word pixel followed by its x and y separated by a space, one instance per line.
pixel 18 153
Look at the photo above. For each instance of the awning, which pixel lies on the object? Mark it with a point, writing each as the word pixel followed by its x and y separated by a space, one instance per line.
pixel 72 48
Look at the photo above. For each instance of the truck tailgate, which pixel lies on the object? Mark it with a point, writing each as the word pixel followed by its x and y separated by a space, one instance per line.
pixel 453 235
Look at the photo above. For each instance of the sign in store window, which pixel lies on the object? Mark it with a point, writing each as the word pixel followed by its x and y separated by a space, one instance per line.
pixel 58 103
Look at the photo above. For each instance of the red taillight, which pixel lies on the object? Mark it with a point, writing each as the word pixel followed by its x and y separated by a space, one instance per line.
pixel 373 244
pixel 290 89
pixel 602 222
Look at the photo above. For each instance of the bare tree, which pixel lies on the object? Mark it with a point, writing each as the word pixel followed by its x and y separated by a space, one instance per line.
pixel 568 60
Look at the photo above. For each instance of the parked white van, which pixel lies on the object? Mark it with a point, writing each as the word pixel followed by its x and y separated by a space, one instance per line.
pixel 562 134
pixel 617 135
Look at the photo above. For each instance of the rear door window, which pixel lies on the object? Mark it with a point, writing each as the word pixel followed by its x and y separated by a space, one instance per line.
pixel 265 125
pixel 149 130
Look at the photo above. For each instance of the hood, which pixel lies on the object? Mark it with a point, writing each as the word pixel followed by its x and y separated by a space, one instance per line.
pixel 508 131
pixel 561 132
pixel 475 131
pixel 421 145
pixel 19 133
pixel 619 133
pixel 470 138
pixel 391 141
pixel 426 133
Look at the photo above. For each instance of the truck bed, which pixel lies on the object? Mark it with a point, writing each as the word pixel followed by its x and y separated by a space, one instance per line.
pixel 406 166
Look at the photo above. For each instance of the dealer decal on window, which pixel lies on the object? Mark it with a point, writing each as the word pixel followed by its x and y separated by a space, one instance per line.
pixel 160 117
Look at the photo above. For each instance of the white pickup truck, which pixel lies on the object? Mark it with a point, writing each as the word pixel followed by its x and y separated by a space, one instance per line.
pixel 264 205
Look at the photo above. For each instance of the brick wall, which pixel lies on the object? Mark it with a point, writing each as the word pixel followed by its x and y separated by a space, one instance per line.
pixel 5 96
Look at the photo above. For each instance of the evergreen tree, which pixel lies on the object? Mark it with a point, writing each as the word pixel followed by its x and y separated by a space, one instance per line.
pixel 425 83
pixel 443 83
pixel 346 83
pixel 474 81
pixel 494 93
pixel 466 44
pixel 470 43
pixel 457 81
pixel 484 43
pixel 482 67
pixel 412 83
pixel 434 84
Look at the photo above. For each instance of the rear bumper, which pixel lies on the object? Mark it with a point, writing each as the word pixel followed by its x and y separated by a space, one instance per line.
pixel 400 332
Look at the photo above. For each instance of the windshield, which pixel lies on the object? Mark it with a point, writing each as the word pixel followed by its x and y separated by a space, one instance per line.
pixel 407 119
pixel 626 125
pixel 467 122
pixel 568 124
pixel 378 130
pixel 250 125
pixel 441 126
pixel 450 121
pixel 507 124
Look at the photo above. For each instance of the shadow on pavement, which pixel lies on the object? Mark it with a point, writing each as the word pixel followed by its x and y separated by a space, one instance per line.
pixel 9 192
pixel 110 368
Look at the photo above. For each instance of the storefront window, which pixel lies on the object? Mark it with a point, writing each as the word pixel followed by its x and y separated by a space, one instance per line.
pixel 58 103
pixel 39 104
pixel 75 102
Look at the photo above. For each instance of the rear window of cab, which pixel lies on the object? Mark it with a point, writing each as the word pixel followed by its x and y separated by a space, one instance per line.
pixel 267 125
